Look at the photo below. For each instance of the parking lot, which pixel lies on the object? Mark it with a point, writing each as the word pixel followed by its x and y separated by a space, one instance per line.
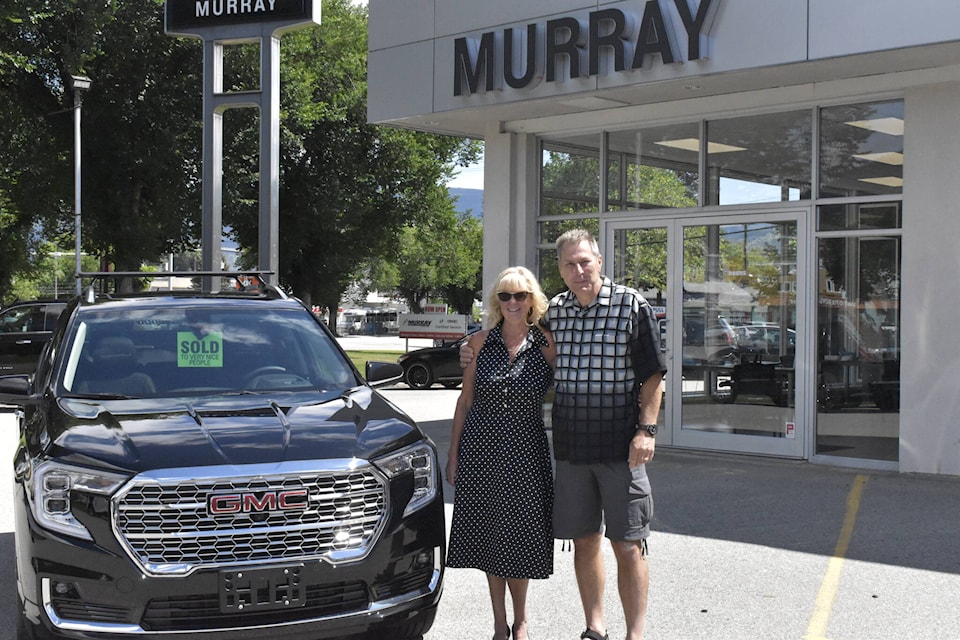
pixel 742 548
pixel 750 548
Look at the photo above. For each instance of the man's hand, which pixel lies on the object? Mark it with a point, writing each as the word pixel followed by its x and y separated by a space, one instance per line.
pixel 466 354
pixel 641 448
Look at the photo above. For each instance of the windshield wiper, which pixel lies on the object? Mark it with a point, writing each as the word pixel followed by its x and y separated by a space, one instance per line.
pixel 102 396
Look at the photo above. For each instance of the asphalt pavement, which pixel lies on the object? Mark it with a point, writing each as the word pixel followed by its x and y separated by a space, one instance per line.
pixel 751 548
pixel 743 548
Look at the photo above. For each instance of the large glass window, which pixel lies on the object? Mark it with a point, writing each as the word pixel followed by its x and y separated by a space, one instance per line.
pixel 881 215
pixel 570 177
pixel 569 198
pixel 653 167
pixel 858 337
pixel 739 328
pixel 737 325
pixel 759 158
pixel 861 150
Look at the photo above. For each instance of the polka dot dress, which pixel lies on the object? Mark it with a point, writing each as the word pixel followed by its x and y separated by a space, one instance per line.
pixel 502 510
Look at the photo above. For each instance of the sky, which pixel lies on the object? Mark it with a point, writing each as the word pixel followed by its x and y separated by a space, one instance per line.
pixel 469 177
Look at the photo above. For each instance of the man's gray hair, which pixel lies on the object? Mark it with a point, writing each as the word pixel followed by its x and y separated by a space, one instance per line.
pixel 574 237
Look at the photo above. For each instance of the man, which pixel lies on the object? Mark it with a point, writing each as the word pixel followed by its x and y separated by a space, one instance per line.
pixel 608 389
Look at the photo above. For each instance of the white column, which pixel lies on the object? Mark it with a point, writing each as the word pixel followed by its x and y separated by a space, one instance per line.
pixel 930 357
pixel 510 168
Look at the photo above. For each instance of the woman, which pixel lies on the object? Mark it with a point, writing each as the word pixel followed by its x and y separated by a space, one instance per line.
pixel 499 458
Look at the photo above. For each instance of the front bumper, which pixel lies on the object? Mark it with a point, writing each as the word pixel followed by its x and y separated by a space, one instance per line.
pixel 77 589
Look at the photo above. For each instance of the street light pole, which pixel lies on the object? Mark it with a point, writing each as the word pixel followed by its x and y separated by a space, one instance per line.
pixel 79 85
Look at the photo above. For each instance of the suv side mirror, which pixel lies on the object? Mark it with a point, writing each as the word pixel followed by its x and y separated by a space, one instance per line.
pixel 15 389
pixel 383 373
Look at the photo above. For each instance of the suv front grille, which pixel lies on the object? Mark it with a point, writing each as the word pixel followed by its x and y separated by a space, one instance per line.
pixel 167 525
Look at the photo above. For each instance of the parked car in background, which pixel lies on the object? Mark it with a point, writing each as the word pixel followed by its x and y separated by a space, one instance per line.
pixel 211 465
pixel 708 342
pixel 424 367
pixel 764 340
pixel 25 329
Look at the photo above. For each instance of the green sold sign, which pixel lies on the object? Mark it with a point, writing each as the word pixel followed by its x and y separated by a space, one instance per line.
pixel 194 351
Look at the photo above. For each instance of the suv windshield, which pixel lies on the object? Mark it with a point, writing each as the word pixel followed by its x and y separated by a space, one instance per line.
pixel 199 350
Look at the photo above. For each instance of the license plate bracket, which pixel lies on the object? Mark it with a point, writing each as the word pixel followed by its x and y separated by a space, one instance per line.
pixel 261 589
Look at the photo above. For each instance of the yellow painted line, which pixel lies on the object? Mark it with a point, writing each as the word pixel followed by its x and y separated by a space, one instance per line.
pixel 817 628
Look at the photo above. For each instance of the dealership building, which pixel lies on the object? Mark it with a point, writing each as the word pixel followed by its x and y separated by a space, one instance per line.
pixel 779 178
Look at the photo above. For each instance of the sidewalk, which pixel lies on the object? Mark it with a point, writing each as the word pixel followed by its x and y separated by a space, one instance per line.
pixel 748 548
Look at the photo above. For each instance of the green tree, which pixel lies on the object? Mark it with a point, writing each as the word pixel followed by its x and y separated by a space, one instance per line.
pixel 347 188
pixel 40 45
pixel 142 133
pixel 440 257
pixel 462 292
pixel 141 124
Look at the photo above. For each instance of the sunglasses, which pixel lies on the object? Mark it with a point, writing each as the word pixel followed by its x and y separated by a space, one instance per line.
pixel 519 296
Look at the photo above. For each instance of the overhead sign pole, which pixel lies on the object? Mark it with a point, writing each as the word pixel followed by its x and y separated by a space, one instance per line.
pixel 229 22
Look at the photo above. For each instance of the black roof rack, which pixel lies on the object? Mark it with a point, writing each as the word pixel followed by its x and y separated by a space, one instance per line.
pixel 244 282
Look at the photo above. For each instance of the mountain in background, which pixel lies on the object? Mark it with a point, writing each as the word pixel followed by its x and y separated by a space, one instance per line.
pixel 468 200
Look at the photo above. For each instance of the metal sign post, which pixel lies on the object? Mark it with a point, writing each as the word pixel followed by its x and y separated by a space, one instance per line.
pixel 227 22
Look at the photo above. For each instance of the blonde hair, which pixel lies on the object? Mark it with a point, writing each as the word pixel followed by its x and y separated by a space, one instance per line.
pixel 516 279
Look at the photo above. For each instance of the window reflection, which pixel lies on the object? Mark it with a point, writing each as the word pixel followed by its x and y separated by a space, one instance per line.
pixel 739 328
pixel 569 198
pixel 759 158
pixel 653 167
pixel 570 177
pixel 640 262
pixel 739 310
pixel 858 347
pixel 853 217
pixel 861 150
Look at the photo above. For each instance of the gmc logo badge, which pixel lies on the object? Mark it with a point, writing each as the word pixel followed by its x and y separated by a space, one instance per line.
pixel 289 500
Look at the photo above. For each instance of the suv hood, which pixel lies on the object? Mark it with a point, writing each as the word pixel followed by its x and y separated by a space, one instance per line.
pixel 140 435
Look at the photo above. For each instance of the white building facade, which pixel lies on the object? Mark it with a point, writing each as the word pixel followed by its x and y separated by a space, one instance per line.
pixel 778 177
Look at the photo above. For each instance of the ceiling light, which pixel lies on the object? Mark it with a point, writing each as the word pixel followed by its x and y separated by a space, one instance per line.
pixel 693 144
pixel 890 126
pixel 885 181
pixel 887 157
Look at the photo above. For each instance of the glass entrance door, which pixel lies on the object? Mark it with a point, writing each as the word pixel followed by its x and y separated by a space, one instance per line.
pixel 640 258
pixel 726 293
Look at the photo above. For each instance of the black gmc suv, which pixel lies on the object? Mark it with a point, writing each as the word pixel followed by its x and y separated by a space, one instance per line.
pixel 211 465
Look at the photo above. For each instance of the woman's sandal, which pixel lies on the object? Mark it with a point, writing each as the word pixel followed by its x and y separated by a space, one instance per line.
pixel 590 634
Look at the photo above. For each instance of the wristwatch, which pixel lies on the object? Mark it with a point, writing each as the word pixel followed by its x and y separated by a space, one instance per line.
pixel 651 429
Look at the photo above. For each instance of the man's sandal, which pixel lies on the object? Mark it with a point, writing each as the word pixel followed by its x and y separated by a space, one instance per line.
pixel 590 634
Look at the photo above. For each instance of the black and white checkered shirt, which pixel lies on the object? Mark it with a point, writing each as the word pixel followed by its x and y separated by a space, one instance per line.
pixel 604 352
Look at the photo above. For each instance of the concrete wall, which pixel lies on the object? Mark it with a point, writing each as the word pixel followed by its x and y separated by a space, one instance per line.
pixel 412 42
pixel 510 193
pixel 930 368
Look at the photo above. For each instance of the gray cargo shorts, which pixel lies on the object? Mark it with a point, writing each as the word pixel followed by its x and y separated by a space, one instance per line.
pixel 610 496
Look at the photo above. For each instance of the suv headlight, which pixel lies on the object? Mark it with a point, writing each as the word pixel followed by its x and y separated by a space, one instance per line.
pixel 421 461
pixel 50 494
